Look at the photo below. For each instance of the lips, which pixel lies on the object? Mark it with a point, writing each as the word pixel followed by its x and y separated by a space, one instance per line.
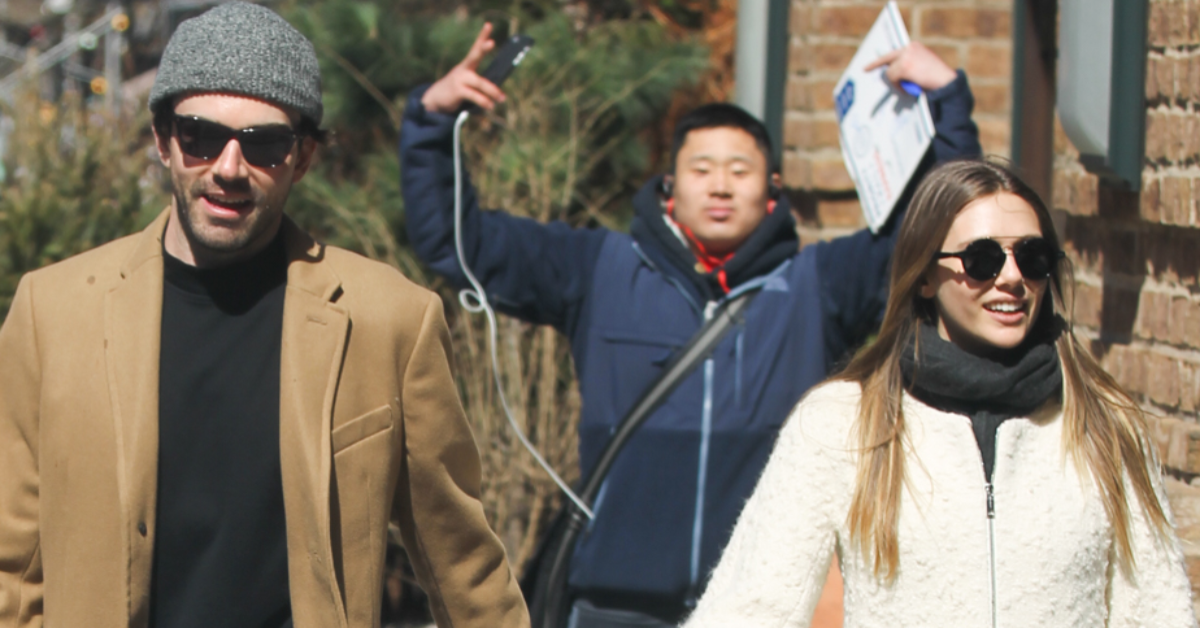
pixel 719 213
pixel 227 206
pixel 1007 311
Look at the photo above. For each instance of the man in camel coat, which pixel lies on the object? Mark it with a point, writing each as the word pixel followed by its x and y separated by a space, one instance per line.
pixel 212 422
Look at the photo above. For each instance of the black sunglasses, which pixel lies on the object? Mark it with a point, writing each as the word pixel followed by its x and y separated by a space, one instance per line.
pixel 263 146
pixel 983 259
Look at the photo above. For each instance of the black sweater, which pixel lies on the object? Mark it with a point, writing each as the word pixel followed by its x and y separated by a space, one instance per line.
pixel 220 549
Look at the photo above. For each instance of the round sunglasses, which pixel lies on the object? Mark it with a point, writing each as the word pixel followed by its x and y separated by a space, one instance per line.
pixel 983 259
pixel 264 146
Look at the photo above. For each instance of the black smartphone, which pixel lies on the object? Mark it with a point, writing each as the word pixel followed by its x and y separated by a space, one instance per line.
pixel 507 58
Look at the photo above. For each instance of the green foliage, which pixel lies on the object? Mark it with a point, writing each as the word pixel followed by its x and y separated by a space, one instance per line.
pixel 74 179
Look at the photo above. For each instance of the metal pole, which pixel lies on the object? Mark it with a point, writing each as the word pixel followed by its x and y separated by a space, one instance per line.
pixel 760 64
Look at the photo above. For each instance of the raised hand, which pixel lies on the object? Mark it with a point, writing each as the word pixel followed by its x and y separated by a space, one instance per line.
pixel 916 64
pixel 463 83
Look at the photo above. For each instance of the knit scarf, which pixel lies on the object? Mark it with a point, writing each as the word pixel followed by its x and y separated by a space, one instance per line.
pixel 989 390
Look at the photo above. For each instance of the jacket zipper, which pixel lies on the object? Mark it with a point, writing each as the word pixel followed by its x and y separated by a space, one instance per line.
pixel 702 469
pixel 991 517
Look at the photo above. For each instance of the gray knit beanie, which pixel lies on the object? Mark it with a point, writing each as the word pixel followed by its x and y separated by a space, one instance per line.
pixel 241 48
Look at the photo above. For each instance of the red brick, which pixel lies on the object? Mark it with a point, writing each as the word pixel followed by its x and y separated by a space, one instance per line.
pixel 798 58
pixel 810 134
pixel 1165 71
pixel 1150 199
pixel 1189 386
pixel 1171 196
pixel 1176 14
pixel 831 57
pixel 1088 301
pixel 1086 185
pixel 994 135
pixel 1158 29
pixel 849 21
pixel 1127 367
pixel 1062 145
pixel 1161 432
pixel 797 95
pixel 1180 317
pixel 1154 316
pixel 1152 80
pixel 992 98
pixel 1060 197
pixel 1190 133
pixel 1156 136
pixel 1163 384
pixel 799 18
pixel 820 94
pixel 965 23
pixel 1191 326
pixel 846 213
pixel 984 61
pixel 949 54
pixel 831 175
pixel 796 172
pixel 1183 450
pixel 1189 82
pixel 1193 18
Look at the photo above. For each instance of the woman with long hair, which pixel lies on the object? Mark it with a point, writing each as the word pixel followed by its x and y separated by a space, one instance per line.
pixel 974 466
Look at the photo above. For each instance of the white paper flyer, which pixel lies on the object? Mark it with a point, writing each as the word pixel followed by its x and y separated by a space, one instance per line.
pixel 884 130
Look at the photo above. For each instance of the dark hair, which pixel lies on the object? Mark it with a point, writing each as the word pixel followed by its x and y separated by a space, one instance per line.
pixel 166 109
pixel 719 115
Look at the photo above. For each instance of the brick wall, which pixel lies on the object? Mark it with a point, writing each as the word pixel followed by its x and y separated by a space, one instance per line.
pixel 1137 260
pixel 1137 256
pixel 975 35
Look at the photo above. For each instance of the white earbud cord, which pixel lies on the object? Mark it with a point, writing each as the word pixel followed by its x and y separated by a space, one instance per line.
pixel 474 300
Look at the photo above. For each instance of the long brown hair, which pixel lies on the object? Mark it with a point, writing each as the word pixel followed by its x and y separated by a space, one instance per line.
pixel 1105 431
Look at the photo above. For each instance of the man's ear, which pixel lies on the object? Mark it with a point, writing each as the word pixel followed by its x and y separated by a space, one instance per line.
pixel 777 181
pixel 164 146
pixel 304 158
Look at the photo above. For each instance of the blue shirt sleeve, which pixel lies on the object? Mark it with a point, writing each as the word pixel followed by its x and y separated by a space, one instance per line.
pixel 534 271
pixel 855 269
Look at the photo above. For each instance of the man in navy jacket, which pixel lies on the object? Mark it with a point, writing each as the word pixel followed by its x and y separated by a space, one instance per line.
pixel 716 229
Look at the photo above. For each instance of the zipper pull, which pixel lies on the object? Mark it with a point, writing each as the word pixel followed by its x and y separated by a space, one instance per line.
pixel 710 308
pixel 991 502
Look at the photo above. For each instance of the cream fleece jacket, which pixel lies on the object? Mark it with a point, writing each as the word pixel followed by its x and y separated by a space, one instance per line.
pixel 1049 540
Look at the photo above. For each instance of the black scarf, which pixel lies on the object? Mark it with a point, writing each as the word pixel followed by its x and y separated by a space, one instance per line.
pixel 989 390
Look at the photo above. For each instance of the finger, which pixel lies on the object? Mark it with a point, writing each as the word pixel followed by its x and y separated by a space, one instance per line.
pixel 479 98
pixel 483 43
pixel 886 59
pixel 486 87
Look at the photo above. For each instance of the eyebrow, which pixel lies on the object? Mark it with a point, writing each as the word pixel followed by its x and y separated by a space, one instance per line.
pixel 736 158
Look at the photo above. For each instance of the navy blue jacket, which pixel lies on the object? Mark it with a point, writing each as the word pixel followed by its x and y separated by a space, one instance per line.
pixel 626 303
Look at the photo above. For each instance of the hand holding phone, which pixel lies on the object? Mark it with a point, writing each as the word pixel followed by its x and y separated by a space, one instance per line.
pixel 463 86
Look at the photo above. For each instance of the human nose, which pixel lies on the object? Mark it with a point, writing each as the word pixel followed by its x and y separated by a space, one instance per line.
pixel 230 164
pixel 718 184
pixel 1010 273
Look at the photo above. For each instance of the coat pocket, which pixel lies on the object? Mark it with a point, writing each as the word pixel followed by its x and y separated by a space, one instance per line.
pixel 360 428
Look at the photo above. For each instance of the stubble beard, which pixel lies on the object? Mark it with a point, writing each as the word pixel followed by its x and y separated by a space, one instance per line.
pixel 222 239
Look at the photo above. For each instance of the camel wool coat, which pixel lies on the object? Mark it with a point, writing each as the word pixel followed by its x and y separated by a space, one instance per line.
pixel 371 431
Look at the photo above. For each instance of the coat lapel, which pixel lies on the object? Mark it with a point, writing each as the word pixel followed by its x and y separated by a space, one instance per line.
pixel 314 340
pixel 133 319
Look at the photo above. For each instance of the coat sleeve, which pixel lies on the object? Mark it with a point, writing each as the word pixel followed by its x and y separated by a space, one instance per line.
pixel 20 559
pixel 1156 592
pixel 854 269
pixel 774 568
pixel 534 271
pixel 458 560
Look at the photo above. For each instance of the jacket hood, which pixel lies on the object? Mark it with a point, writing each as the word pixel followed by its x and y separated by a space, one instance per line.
pixel 769 245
